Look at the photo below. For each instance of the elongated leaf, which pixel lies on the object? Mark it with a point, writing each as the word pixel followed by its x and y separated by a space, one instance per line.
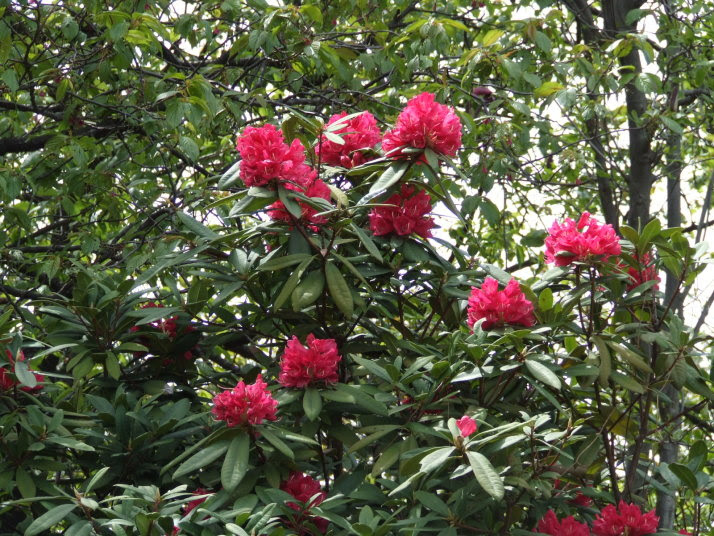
pixel 685 475
pixel 435 460
pixel 196 226
pixel 339 290
pixel 308 291
pixel 543 373
pixel 631 357
pixel 390 176
pixel 368 243
pixel 486 475
pixel 278 443
pixel 230 177
pixel 49 519
pixel 235 464
pixel 291 283
pixel 312 403
pixel 387 459
pixel 278 263
pixel 202 458
pixel 605 361
pixel 628 382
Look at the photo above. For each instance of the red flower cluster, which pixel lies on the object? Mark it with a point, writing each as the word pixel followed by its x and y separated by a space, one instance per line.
pixel 245 404
pixel 266 158
pixel 8 381
pixel 407 214
pixel 191 505
pixel 424 123
pixel 646 271
pixel 303 487
pixel 499 307
pixel 167 326
pixel 301 366
pixel 359 133
pixel 567 527
pixel 316 188
pixel 569 241
pixel 629 521
pixel 466 425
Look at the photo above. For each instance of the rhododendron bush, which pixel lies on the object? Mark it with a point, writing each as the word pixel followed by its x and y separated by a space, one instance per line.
pixel 341 317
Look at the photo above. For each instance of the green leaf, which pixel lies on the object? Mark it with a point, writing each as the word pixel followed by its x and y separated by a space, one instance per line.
pixel 386 459
pixel 685 475
pixel 363 399
pixel 339 290
pixel 25 483
pixel 49 519
pixel 112 364
pixel 605 365
pixel 96 479
pixel 486 475
pixel 195 226
pixel 436 459
pixel 308 291
pixel 628 382
pixel 547 89
pixel 202 458
pixel 432 502
pixel 545 299
pixel 543 373
pixel 292 206
pixel 312 403
pixel 491 37
pixel 230 177
pixel 367 242
pixel 189 147
pixel 390 176
pixel 278 443
pixel 631 357
pixel 24 376
pixel 235 464
pixel 278 263
pixel 291 283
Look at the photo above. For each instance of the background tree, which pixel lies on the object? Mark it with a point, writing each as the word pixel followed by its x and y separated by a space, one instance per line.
pixel 117 132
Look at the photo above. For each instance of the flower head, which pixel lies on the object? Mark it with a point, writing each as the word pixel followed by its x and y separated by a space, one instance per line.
pixel 567 527
pixel 171 328
pixel 499 307
pixel 359 133
pixel 645 271
pixel 572 241
pixel 266 158
pixel 424 123
pixel 466 425
pixel 245 404
pixel 315 189
pixel 303 488
pixel 629 521
pixel 407 215
pixel 8 377
pixel 301 366
pixel 191 505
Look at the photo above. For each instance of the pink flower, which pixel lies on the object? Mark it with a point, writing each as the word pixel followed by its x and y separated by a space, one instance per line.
pixel 303 488
pixel 316 189
pixel 266 158
pixel 467 426
pixel 570 241
pixel 646 271
pixel 499 307
pixel 424 123
pixel 567 527
pixel 301 366
pixel 193 504
pixel 407 214
pixel 629 521
pixel 581 500
pixel 245 404
pixel 170 328
pixel 359 133
pixel 8 380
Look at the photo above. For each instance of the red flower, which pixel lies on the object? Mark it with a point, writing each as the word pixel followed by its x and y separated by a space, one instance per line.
pixel 570 241
pixel 8 381
pixel 170 328
pixel 467 426
pixel 301 366
pixel 499 307
pixel 245 404
pixel 629 521
pixel 645 271
pixel 685 532
pixel 265 158
pixel 193 504
pixel 407 214
pixel 316 189
pixel 424 123
pixel 359 133
pixel 303 488
pixel 567 527
pixel 581 500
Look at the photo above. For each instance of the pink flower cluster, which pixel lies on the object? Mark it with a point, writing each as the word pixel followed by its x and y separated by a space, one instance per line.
pixel 499 307
pixel 628 521
pixel 466 425
pixel 645 271
pixel 315 189
pixel 266 159
pixel 191 505
pixel 424 123
pixel 406 215
pixel 582 241
pixel 245 404
pixel 8 380
pixel 359 133
pixel 303 487
pixel 301 366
